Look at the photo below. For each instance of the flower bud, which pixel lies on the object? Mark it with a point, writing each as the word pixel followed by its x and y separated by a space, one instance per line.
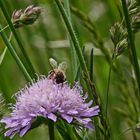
pixel 25 17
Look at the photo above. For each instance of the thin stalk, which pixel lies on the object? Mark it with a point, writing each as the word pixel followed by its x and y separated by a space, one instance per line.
pixel 73 53
pixel 96 121
pixel 51 129
pixel 107 94
pixel 2 55
pixel 31 70
pixel 4 28
pixel 10 36
pixel 73 37
pixel 91 65
pixel 117 4
pixel 108 84
pixel 78 70
pixel 67 8
pixel 15 56
pixel 77 73
pixel 131 42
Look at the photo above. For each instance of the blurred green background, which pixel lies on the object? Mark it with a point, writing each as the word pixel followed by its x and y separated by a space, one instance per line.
pixel 48 37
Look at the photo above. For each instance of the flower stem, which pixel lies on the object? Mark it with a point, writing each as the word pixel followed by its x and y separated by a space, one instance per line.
pixel 51 129
pixel 30 67
pixel 73 53
pixel 15 56
pixel 108 84
pixel 73 37
pixel 91 65
pixel 4 28
pixel 107 95
pixel 131 42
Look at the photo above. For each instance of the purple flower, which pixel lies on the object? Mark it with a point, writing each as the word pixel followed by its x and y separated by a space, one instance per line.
pixel 51 101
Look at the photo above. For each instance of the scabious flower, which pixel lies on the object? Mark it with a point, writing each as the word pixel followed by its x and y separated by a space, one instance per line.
pixel 51 101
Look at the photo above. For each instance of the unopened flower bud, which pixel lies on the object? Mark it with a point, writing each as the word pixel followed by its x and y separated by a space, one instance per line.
pixel 25 17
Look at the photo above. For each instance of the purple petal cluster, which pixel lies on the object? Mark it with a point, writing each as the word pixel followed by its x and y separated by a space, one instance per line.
pixel 51 101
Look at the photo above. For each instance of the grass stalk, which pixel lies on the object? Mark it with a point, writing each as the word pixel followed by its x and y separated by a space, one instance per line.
pixel 91 65
pixel 73 53
pixel 73 37
pixel 108 84
pixel 107 93
pixel 4 28
pixel 131 43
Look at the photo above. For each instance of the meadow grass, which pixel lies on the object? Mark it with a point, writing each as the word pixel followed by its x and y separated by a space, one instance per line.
pixel 99 42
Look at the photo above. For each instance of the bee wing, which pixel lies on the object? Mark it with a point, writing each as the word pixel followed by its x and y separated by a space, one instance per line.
pixel 62 66
pixel 53 63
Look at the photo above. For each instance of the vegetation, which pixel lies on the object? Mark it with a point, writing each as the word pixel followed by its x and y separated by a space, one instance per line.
pixel 99 42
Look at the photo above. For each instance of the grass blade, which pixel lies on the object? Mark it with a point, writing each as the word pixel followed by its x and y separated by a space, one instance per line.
pixel 73 37
pixel 131 42
pixel 73 53
pixel 91 65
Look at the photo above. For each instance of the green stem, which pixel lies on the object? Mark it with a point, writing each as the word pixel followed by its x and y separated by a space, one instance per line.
pixel 131 42
pixel 107 95
pixel 73 53
pixel 4 28
pixel 30 69
pixel 108 84
pixel 67 7
pixel 10 36
pixel 73 37
pixel 51 129
pixel 91 65
pixel 15 56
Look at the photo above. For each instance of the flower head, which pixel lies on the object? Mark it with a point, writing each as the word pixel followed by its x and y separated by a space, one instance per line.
pixel 25 17
pixel 51 101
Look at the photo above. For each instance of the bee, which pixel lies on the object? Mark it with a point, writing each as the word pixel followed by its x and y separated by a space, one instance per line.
pixel 58 72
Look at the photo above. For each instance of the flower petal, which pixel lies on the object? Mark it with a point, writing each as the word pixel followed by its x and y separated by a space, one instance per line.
pixel 52 117
pixel 67 118
pixel 24 130
pixel 8 133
